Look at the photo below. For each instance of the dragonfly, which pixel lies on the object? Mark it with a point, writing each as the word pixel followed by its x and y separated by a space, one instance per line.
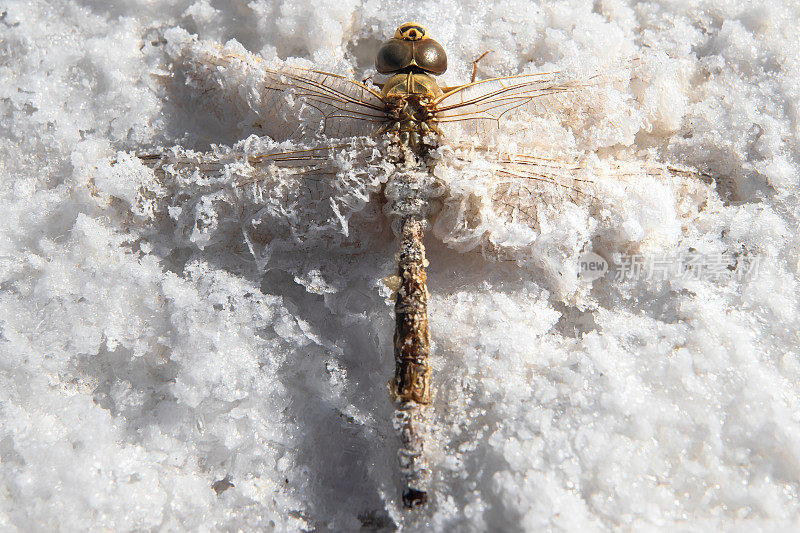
pixel 407 134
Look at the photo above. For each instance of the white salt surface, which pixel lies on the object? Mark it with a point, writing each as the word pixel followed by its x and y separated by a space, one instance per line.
pixel 167 363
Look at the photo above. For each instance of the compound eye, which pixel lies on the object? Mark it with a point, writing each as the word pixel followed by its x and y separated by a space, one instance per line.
pixel 410 31
pixel 431 57
pixel 393 56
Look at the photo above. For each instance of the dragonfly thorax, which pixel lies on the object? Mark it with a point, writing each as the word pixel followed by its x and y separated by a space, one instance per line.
pixel 411 84
pixel 409 100
pixel 410 97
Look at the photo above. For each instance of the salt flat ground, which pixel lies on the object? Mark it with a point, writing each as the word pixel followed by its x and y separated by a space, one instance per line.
pixel 161 376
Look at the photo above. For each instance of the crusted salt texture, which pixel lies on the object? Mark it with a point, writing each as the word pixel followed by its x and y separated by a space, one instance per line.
pixel 182 353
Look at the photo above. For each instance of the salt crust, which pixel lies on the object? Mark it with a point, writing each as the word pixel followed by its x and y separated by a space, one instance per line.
pixel 161 335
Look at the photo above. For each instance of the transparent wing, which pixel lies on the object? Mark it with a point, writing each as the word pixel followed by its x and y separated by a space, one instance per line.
pixel 504 199
pixel 526 180
pixel 479 106
pixel 238 87
pixel 344 107
pixel 270 197
pixel 512 204
pixel 231 169
pixel 522 181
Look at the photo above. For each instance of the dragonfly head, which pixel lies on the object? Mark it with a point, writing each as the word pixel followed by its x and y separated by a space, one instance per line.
pixel 411 31
pixel 411 50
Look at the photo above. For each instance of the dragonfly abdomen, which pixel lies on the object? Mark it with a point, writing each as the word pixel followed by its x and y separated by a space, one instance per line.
pixel 411 194
pixel 412 338
pixel 411 383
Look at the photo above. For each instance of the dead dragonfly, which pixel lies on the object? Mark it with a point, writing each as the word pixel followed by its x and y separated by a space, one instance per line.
pixel 407 114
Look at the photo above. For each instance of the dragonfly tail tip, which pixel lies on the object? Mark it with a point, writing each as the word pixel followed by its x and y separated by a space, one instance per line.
pixel 413 498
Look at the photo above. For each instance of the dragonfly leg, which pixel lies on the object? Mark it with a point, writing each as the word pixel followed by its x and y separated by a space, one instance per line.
pixel 475 66
pixel 474 74
pixel 411 383
pixel 376 84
